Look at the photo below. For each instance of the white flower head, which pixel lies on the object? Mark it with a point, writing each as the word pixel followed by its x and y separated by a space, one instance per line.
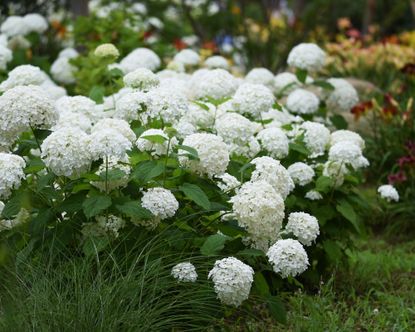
pixel 6 56
pixel 78 104
pixel 107 50
pixel 301 173
pixel 232 280
pixel 285 83
pixel 117 124
pixel 129 106
pixel 288 258
pixel 307 56
pixel 23 75
pixel 157 149
pixel 35 23
pixel 253 99
pixel 316 137
pixel 336 170
pixel 142 79
pixel 301 101
pixel 274 141
pixel 14 26
pixel 388 192
pixel 346 135
pixel 216 84
pixel 184 272
pixel 62 71
pixel 72 119
pixel 234 128
pixel 140 58
pixel 348 153
pixel 227 182
pixel 187 57
pixel 216 61
pixel 343 97
pixel 260 76
pixel 304 226
pixel 160 202
pixel 313 195
pixel 108 142
pixel 11 173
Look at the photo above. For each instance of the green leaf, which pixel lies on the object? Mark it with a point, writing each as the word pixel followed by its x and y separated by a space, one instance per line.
pixel 147 170
pixel 195 194
pixel 38 224
pixel 81 187
pixel 261 285
pixel 93 246
pixel 12 207
pixel 97 94
pixel 134 210
pixel 299 147
pixel 324 184
pixel 332 250
pixel 251 252
pixel 325 85
pixel 213 244
pixel 202 105
pixel 72 204
pixel 339 121
pixel 34 166
pixel 112 175
pixel 277 309
pixel 301 75
pixel 95 205
pixel 116 73
pixel 347 211
pixel 158 139
pixel 192 153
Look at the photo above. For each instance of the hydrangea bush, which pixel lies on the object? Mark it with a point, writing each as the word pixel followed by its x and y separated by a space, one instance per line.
pixel 258 170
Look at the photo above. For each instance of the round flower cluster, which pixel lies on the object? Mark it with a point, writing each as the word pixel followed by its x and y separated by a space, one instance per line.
pixel 346 136
pixel 160 202
pixel 140 58
pixel 6 56
pixel 307 56
pixel 301 173
pixel 110 224
pixel 187 57
pixel 288 258
pixel 120 126
pixel 106 51
pixel 78 104
pixel 62 70
pixel 343 97
pixel 23 75
pixel 388 192
pixel 108 142
pixel 313 195
pixel 260 210
pixel 216 84
pixel 216 62
pixel 301 101
pixel 201 117
pixel 22 25
pixel 129 106
pixel 348 153
pixel 304 226
pixel 227 182
pixel 157 149
pixel 274 141
pixel 11 173
pixel 142 79
pixel 184 272
pixel 260 76
pixel 285 82
pixel 253 99
pixel 232 280
pixel 316 137
pixel 212 152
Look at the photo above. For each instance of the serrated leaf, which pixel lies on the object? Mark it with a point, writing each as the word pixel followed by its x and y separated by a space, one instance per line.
pixel 97 94
pixel 213 244
pixel 277 309
pixel 347 211
pixel 147 170
pixel 261 285
pixel 95 205
pixel 339 121
pixel 299 147
pixel 72 204
pixel 158 139
pixel 324 184
pixel 195 194
pixel 93 246
pixel 192 152
pixel 325 85
pixel 34 166
pixel 301 75
pixel 134 210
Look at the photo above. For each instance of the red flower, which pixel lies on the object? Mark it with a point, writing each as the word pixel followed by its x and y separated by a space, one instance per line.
pixel 179 44
pixel 361 108
pixel 397 177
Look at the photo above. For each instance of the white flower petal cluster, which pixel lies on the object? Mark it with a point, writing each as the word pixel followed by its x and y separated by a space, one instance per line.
pixel 274 141
pixel 336 171
pixel 216 61
pixel 313 195
pixel 199 116
pixel 14 26
pixel 72 119
pixel 301 101
pixel 187 57
pixel 307 56
pixel 346 136
pixel 272 172
pixel 389 193
pixel 227 182
pixel 108 142
pixel 11 173
pixel 212 151
pixel 156 149
pixel 304 226
pixel 68 52
pixel 343 97
pixel 252 99
pixel 78 104
pixel 216 84
pixel 184 128
pixel 53 91
pixel 348 153
pixel 160 202
pixel 316 137
pixel 260 76
pixel 111 224
pixel 232 280
pixel 184 272
pixel 288 258
pixel 35 23
pixel 6 56
pixel 129 106
pixel 248 149
pixel 65 152
pixel 166 103
pixel 22 217
pixel 260 210
pixel 62 70
pixel 285 83
pixel 107 50
pixel 140 58
pixel 117 124
pixel 111 184
pixel 141 79
pixel 301 173
pixel 234 128
pixel 23 75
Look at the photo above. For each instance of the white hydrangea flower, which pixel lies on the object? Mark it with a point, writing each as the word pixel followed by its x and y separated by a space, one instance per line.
pixel 23 107
pixel 78 104
pixel 313 195
pixel 14 26
pixel 65 152
pixel 108 142
pixel 53 91
pixel 253 99
pixel 156 149
pixel 6 56
pixel 166 103
pixel 288 258
pixel 22 217
pixel 301 173
pixel 199 116
pixel 301 101
pixel 23 75
pixel 68 52
pixel 227 182
pixel 232 280
pixel 113 164
pixel 348 153
pixel 35 23
pixel 117 124
pixel 62 71
pixel 216 61
pixel 187 57
pixel 316 137
pixel 285 83
pixel 111 224
pixel 107 50
pixel 336 171
pixel 346 136
pixel 160 202
pixel 307 56
pixel 142 79
pixel 271 171
pixel 248 149
pixel 129 106
pixel 184 272
pixel 140 58
pixel 184 128
pixel 260 76
pixel 343 97
pixel 234 128
pixel 304 226
pixel 274 141
pixel 212 151
pixel 11 173
pixel 177 67
pixel 389 193
pixel 216 84
pixel 71 119
pixel 260 210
